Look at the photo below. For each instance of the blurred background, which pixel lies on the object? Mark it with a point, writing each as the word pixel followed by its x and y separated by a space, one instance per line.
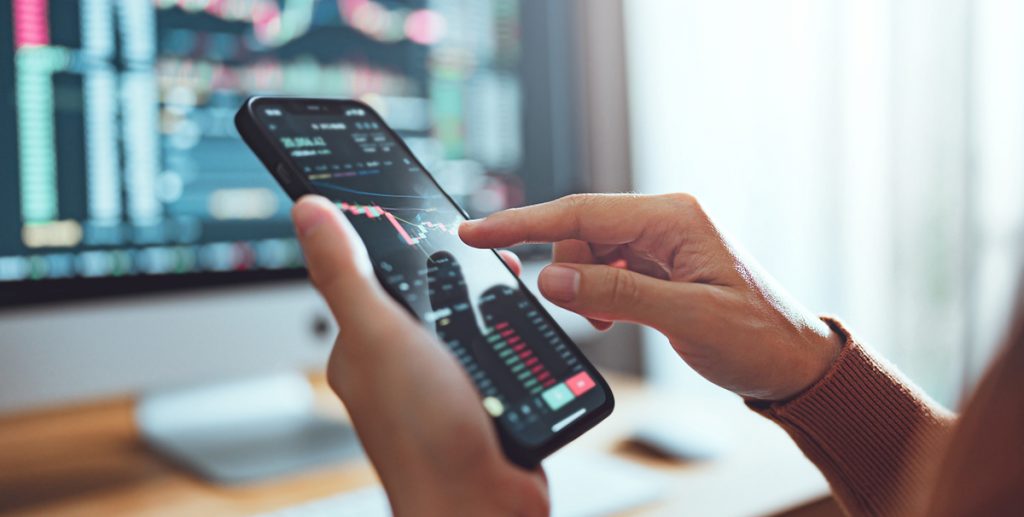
pixel 869 154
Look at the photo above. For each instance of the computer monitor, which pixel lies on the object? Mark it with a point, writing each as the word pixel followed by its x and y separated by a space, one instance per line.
pixel 143 248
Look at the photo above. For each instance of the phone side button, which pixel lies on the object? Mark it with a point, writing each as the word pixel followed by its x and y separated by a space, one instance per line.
pixel 282 174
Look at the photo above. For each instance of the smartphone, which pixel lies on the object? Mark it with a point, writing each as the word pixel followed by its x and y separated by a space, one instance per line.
pixel 540 391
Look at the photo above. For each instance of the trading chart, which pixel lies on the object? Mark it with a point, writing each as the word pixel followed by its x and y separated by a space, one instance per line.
pixel 115 116
pixel 526 372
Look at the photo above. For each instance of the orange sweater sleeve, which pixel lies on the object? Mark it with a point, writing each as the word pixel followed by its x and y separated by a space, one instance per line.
pixel 871 433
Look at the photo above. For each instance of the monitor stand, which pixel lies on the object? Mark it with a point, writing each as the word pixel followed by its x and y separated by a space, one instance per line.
pixel 245 430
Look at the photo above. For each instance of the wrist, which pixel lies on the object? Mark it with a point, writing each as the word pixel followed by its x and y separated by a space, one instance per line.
pixel 825 349
pixel 828 347
pixel 821 349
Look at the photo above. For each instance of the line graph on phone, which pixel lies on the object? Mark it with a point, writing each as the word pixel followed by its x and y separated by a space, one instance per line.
pixel 413 230
pixel 412 223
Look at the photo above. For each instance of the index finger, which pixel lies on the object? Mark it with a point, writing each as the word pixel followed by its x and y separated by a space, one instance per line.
pixel 594 218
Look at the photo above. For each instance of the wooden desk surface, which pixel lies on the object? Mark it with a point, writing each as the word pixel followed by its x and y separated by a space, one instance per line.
pixel 90 460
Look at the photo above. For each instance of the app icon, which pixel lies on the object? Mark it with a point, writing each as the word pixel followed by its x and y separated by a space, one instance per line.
pixel 557 396
pixel 580 383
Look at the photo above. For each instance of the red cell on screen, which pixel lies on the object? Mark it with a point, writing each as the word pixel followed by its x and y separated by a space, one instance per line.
pixel 580 383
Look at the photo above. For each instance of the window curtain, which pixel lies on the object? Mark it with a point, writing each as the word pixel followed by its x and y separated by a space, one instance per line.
pixel 870 154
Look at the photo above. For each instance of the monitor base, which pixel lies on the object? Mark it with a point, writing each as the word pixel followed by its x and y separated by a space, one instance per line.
pixel 244 431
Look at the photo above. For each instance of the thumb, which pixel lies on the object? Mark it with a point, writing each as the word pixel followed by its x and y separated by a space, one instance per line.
pixel 615 294
pixel 338 263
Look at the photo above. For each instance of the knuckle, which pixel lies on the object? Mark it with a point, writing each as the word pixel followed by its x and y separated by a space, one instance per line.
pixel 334 371
pixel 576 200
pixel 623 287
pixel 682 200
pixel 577 205
pixel 687 210
pixel 588 202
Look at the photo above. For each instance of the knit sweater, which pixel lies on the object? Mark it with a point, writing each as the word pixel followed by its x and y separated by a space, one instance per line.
pixel 886 449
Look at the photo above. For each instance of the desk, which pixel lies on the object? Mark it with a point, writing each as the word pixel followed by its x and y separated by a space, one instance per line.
pixel 89 460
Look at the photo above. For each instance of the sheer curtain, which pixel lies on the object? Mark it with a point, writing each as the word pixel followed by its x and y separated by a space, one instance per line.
pixel 868 154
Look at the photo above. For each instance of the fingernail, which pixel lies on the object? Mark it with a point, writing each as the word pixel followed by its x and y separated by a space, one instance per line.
pixel 559 283
pixel 472 222
pixel 307 217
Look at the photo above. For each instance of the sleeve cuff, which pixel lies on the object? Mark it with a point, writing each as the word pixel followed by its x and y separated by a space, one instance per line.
pixel 863 425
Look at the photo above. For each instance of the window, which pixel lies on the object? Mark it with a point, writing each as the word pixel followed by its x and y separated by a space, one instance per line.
pixel 880 149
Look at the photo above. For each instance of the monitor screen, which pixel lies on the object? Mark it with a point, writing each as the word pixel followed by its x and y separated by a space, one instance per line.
pixel 123 171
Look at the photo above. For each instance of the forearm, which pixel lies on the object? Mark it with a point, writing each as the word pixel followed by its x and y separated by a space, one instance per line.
pixel 870 432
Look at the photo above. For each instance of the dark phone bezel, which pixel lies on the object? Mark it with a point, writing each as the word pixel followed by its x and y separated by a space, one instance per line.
pixel 261 143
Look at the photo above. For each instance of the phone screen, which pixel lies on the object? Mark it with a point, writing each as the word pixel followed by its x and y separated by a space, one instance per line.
pixel 530 378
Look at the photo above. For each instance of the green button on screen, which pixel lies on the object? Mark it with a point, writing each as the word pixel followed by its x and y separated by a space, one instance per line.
pixel 557 396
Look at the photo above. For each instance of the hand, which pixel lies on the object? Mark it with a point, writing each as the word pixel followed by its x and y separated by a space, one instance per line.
pixel 416 411
pixel 660 261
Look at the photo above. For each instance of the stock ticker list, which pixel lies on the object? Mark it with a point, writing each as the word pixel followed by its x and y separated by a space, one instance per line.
pixel 117 119
pixel 525 372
